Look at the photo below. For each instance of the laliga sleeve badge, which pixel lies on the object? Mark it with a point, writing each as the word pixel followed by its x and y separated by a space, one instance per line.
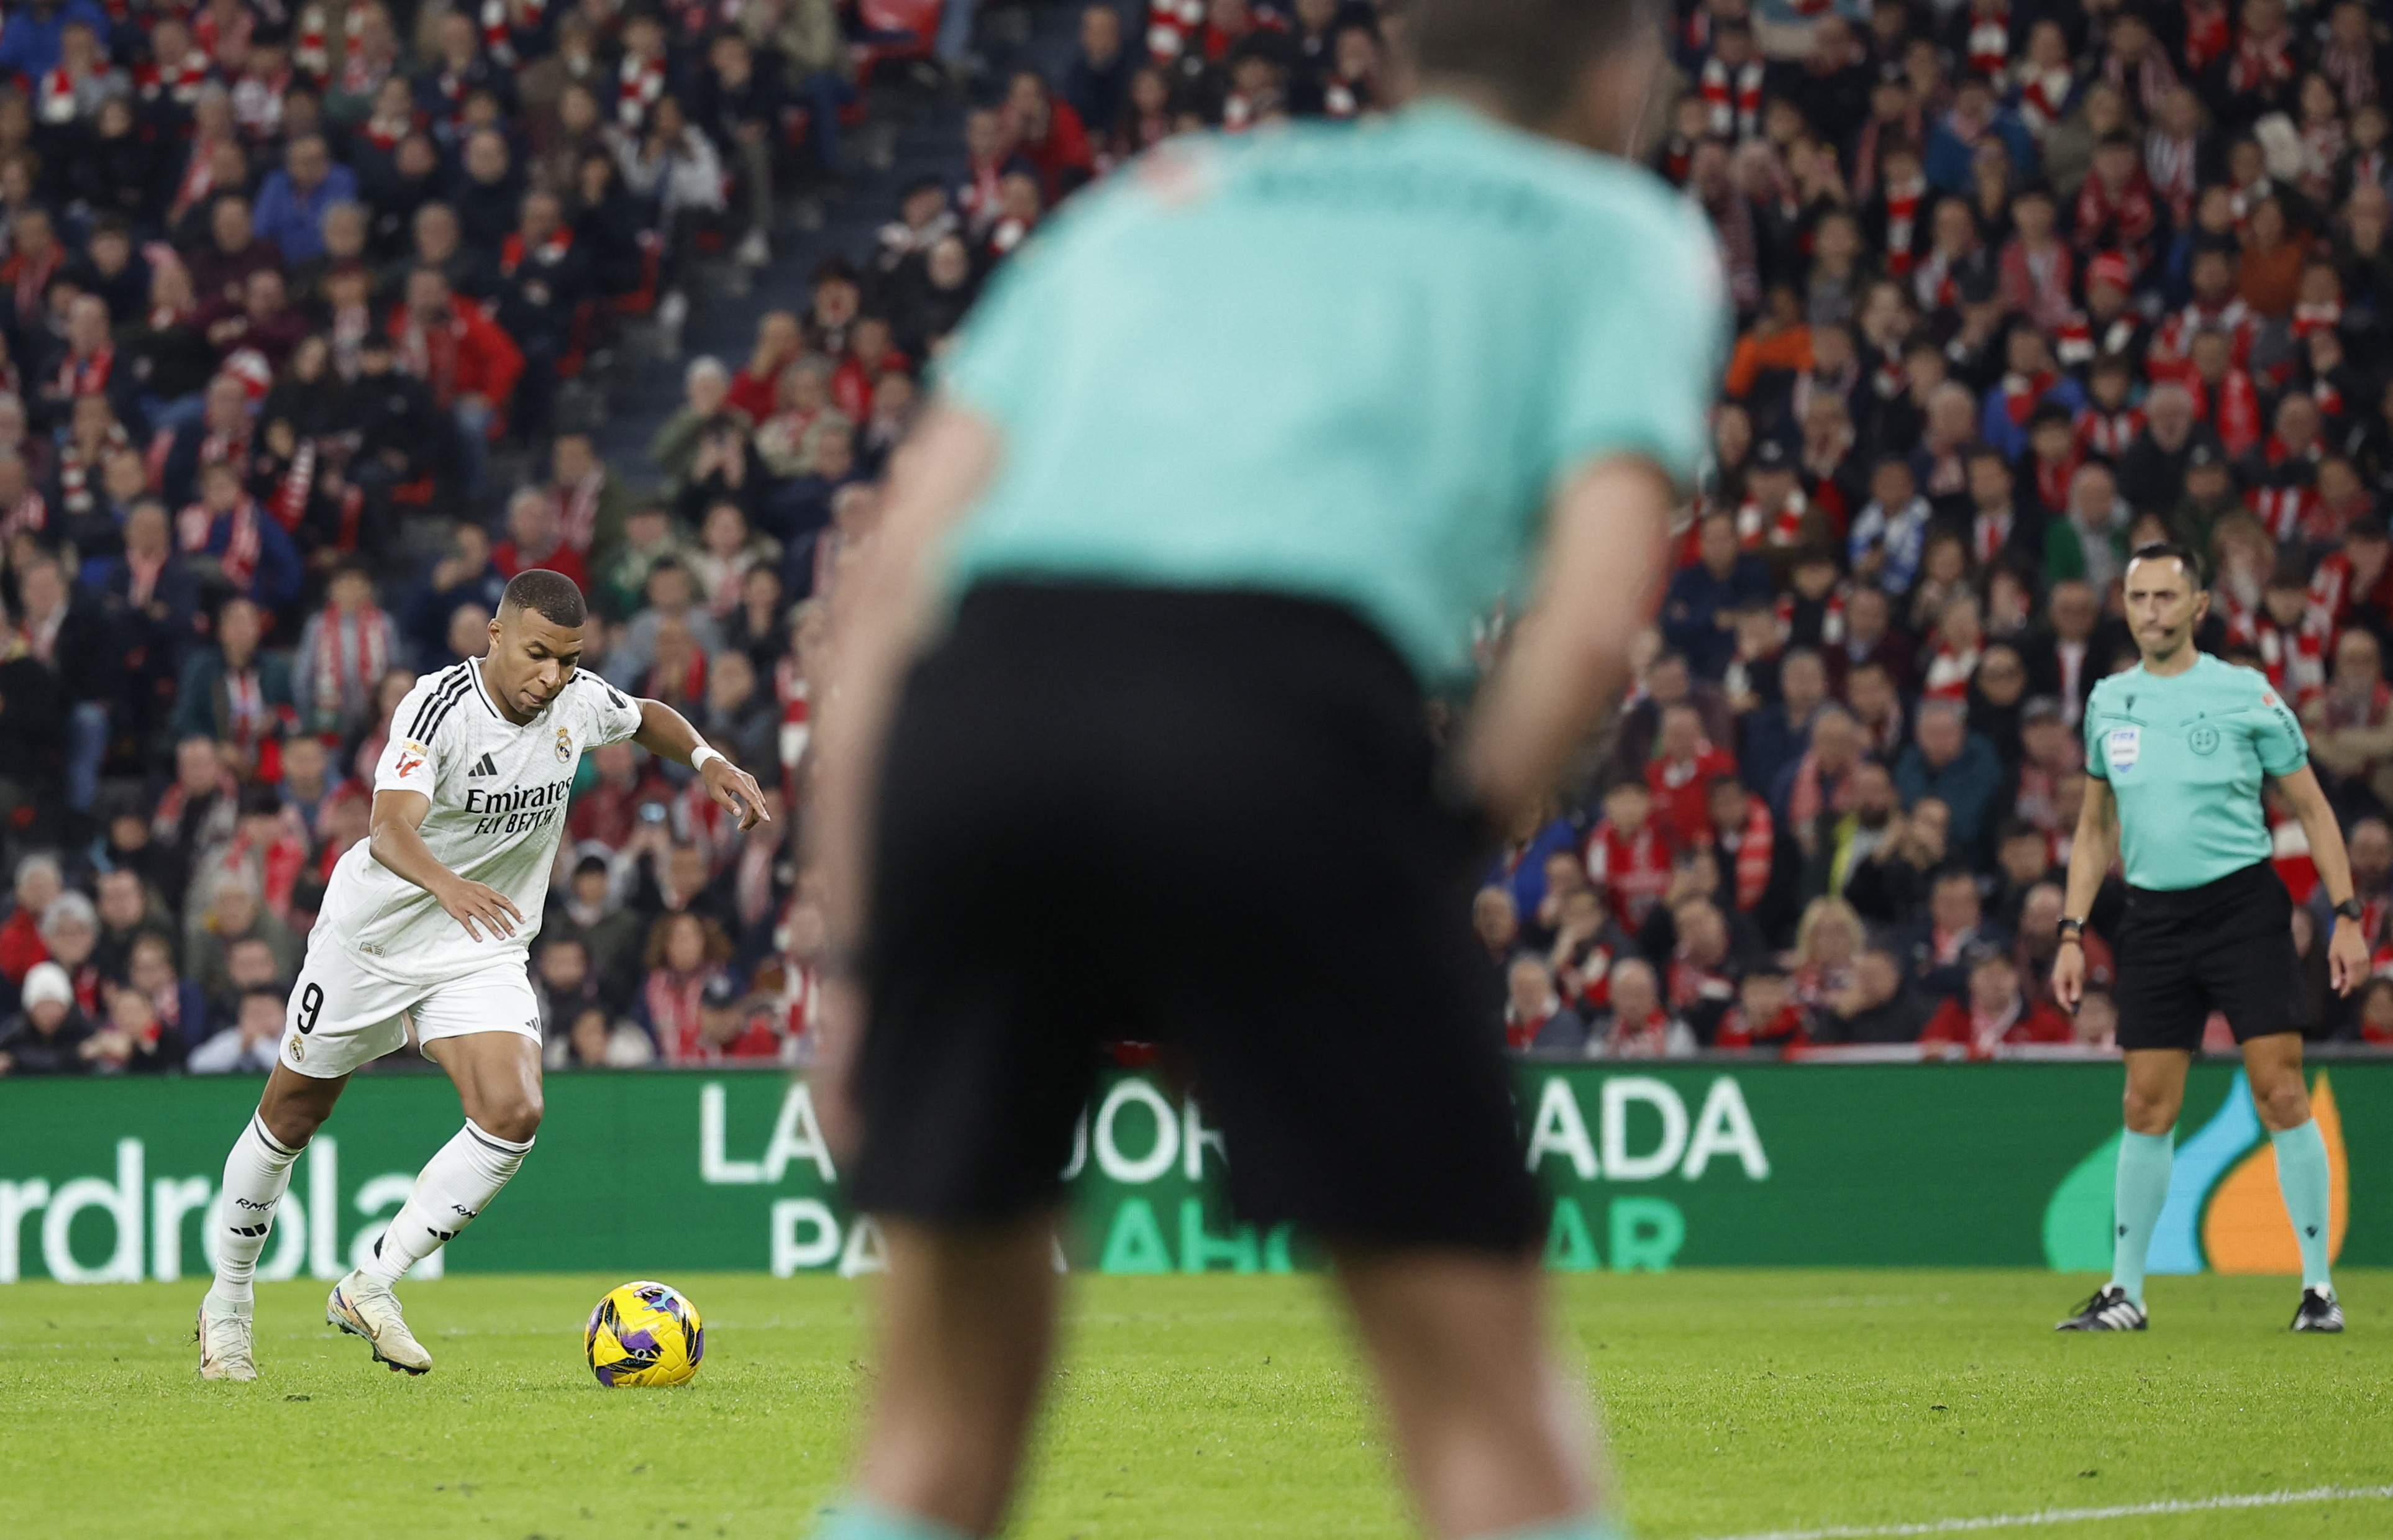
pixel 564 747
pixel 2126 746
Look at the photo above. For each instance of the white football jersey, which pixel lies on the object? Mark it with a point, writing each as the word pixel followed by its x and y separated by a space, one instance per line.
pixel 498 808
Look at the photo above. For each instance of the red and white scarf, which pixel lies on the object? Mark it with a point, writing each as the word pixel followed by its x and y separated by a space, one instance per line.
pixel 2352 72
pixel 1734 102
pixel 577 509
pixel 88 374
pixel 499 27
pixel 226 449
pixel 2021 392
pixel 2260 62
pixel 210 32
pixel 1901 221
pixel 2131 214
pixel 1753 847
pixel 2322 317
pixel 1169 24
pixel 1647 1039
pixel 179 82
pixel 1832 617
pixel 352 653
pixel 1989 533
pixel 242 541
pixel 2293 656
pixel 1758 527
pixel 1989 44
pixel 2232 408
pixel 548 253
pixel 32 515
pixel 638 85
pixel 199 174
pixel 2044 96
pixel 76 493
pixel 2107 433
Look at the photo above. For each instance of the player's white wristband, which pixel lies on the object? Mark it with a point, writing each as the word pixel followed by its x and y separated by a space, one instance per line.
pixel 699 755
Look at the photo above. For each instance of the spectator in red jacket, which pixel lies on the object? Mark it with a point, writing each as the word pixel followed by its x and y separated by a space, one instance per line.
pixel 469 364
pixel 1628 856
pixel 38 886
pixel 1685 763
pixel 1048 134
pixel 1994 1015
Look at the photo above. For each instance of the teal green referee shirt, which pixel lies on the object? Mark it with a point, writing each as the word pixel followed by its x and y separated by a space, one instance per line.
pixel 1346 363
pixel 2184 753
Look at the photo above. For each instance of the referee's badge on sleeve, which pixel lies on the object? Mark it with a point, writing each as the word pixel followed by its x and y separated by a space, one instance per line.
pixel 2126 744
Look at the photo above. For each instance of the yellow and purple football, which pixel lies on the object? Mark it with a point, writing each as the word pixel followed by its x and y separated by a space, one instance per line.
pixel 645 1333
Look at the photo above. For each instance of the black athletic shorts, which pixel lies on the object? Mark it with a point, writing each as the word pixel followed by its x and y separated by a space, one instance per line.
pixel 2226 945
pixel 1208 819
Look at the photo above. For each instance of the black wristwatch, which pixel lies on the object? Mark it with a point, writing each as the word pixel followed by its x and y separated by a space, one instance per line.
pixel 2350 909
pixel 2071 928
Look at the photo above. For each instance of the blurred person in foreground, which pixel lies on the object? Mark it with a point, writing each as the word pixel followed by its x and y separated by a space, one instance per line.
pixel 2175 751
pixel 1091 750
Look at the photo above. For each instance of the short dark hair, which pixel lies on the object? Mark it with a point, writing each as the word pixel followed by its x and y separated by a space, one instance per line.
pixel 554 595
pixel 1531 52
pixel 2167 550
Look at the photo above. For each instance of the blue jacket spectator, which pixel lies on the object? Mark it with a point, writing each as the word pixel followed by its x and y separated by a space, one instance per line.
pixel 1951 163
pixel 1522 872
pixel 29 45
pixel 1948 762
pixel 291 205
pixel 1779 734
pixel 1696 612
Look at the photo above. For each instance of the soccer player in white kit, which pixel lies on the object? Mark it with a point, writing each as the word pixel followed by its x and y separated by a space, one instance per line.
pixel 431 921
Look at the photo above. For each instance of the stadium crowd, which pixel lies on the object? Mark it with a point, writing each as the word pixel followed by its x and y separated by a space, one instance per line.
pixel 2021 287
pixel 2018 286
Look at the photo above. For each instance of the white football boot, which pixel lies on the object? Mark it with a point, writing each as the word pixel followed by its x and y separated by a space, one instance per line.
pixel 365 1307
pixel 226 1346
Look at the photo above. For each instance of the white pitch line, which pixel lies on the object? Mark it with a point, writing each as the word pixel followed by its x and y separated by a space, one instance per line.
pixel 2074 1515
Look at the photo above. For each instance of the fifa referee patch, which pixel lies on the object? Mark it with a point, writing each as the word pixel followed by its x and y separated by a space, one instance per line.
pixel 2127 745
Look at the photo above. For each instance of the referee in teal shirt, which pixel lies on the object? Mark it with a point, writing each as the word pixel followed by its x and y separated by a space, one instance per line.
pixel 2175 751
pixel 1127 732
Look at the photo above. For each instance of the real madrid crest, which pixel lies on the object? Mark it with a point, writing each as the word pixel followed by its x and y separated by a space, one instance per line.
pixel 564 747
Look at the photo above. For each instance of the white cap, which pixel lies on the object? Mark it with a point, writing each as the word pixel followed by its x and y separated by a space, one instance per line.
pixel 47 981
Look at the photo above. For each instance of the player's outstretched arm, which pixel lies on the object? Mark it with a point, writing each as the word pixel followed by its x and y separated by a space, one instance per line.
pixel 2091 856
pixel 666 732
pixel 1605 548
pixel 2346 951
pixel 397 845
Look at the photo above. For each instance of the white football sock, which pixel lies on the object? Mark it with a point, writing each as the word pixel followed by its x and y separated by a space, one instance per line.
pixel 256 1173
pixel 452 1188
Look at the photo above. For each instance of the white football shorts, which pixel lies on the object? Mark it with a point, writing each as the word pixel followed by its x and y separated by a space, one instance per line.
pixel 341 1018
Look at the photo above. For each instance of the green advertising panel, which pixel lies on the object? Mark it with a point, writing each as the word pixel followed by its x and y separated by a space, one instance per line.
pixel 1648 1167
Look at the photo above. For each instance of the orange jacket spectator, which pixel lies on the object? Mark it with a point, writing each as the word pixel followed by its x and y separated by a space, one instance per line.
pixel 1790 349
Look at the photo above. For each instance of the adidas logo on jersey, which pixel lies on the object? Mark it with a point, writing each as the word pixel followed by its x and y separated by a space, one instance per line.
pixel 483 767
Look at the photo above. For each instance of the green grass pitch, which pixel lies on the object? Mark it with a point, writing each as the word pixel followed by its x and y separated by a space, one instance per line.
pixel 1738 1402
